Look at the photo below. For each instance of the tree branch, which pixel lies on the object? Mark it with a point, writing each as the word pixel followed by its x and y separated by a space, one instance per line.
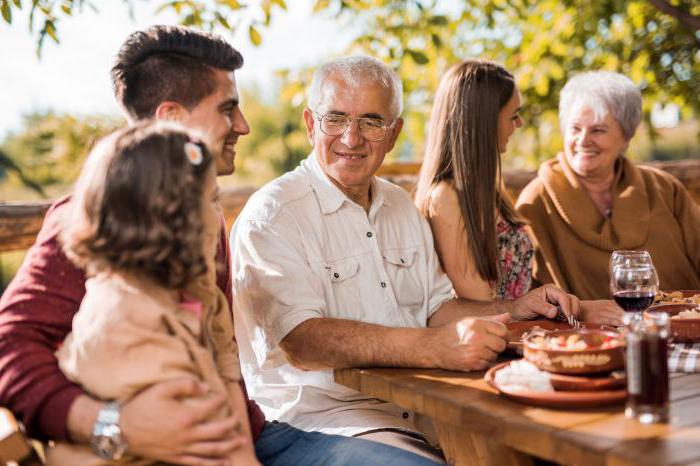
pixel 685 18
pixel 8 164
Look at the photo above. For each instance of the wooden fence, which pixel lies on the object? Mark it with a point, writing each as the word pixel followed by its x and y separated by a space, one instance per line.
pixel 20 221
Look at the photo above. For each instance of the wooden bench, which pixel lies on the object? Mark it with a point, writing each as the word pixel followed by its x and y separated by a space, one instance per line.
pixel 20 221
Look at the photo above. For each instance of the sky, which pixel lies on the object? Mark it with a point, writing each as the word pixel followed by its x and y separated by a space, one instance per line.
pixel 73 77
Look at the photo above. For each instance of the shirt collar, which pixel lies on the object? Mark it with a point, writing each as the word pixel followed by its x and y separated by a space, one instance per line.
pixel 330 197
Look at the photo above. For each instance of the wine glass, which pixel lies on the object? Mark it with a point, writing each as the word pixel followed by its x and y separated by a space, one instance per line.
pixel 634 285
pixel 628 257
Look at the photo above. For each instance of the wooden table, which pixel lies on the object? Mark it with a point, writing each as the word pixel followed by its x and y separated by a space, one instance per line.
pixel 476 425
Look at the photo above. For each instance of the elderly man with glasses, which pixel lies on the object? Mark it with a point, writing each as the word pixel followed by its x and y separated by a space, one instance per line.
pixel 336 268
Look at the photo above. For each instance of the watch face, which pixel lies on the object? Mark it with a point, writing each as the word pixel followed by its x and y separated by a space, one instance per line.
pixel 104 447
pixel 107 443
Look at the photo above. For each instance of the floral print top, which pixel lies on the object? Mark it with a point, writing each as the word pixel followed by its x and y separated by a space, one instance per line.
pixel 515 253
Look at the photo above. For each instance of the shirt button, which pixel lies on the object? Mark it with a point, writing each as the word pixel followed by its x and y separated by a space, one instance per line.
pixel 383 285
pixel 336 275
pixel 405 415
pixel 369 234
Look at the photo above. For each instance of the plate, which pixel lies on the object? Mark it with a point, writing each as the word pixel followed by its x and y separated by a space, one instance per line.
pixel 518 328
pixel 576 383
pixel 560 398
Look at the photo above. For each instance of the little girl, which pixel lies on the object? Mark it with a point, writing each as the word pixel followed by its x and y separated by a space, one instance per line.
pixel 143 224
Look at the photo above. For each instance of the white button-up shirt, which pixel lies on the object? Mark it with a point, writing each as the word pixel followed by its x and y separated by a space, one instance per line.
pixel 301 250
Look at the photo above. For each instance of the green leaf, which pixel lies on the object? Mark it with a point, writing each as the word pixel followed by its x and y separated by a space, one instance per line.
pixel 6 13
pixel 280 3
pixel 222 21
pixel 232 4
pixel 437 42
pixel 542 85
pixel 66 9
pixel 32 10
pixel 189 20
pixel 255 37
pixel 18 3
pixel 50 29
pixel 176 5
pixel 321 5
pixel 419 58
pixel 438 20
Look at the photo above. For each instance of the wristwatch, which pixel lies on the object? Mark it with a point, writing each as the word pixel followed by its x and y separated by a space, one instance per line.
pixel 107 441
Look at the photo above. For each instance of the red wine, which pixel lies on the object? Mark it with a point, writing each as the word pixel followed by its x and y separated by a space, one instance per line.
pixel 633 301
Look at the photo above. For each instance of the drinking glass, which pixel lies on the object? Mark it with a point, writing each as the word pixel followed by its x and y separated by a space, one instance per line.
pixel 627 257
pixel 634 285
pixel 647 368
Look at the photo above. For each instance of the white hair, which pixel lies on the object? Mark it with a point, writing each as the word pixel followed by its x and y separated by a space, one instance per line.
pixel 603 92
pixel 356 72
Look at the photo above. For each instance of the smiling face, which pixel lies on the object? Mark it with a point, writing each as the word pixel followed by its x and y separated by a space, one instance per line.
pixel 218 119
pixel 509 120
pixel 349 159
pixel 591 144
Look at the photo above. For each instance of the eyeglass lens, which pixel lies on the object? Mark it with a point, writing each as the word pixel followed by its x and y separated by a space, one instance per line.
pixel 372 129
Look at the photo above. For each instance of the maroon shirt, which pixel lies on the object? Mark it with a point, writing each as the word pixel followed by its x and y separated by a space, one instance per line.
pixel 36 313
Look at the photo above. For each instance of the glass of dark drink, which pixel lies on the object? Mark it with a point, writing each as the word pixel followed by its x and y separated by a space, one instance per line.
pixel 634 285
pixel 647 368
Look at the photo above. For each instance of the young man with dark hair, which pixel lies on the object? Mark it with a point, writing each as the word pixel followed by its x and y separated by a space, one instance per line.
pixel 179 74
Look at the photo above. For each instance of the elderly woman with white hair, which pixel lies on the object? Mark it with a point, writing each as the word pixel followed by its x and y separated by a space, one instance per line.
pixel 591 200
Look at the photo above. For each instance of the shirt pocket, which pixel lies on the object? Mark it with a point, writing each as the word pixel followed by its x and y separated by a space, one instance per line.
pixel 342 270
pixel 404 272
pixel 343 288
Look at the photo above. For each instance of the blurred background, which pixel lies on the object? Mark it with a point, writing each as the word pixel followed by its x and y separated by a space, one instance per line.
pixel 56 98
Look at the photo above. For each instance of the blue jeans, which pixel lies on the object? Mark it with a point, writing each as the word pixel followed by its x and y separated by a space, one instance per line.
pixel 283 445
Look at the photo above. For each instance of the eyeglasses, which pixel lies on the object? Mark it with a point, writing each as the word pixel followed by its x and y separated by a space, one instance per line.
pixel 372 129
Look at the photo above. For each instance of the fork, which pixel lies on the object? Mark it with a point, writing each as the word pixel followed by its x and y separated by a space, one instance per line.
pixel 569 319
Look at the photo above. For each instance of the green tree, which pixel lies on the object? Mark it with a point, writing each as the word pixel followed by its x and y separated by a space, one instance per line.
pixel 544 42
pixel 276 143
pixel 47 154
pixel 50 149
pixel 45 16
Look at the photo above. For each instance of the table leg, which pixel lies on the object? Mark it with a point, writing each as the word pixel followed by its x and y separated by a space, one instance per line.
pixel 468 448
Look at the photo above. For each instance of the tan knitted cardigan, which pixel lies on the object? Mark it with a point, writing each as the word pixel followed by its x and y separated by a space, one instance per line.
pixel 573 242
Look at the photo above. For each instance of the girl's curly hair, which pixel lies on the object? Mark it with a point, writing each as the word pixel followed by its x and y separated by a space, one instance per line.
pixel 137 206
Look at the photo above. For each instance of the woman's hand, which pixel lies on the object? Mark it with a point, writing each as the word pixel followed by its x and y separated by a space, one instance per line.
pixel 543 301
pixel 602 311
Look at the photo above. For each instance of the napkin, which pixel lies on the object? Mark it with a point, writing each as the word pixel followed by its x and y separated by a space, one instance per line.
pixel 684 357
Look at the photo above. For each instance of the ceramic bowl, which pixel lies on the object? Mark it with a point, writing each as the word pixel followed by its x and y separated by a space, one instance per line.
pixel 686 295
pixel 682 330
pixel 591 360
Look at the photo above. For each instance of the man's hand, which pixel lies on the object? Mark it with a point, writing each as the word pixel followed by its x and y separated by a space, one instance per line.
pixel 602 311
pixel 543 301
pixel 469 344
pixel 170 422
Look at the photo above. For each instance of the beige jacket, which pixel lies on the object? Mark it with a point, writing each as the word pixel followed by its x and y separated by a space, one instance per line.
pixel 126 338
pixel 573 242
